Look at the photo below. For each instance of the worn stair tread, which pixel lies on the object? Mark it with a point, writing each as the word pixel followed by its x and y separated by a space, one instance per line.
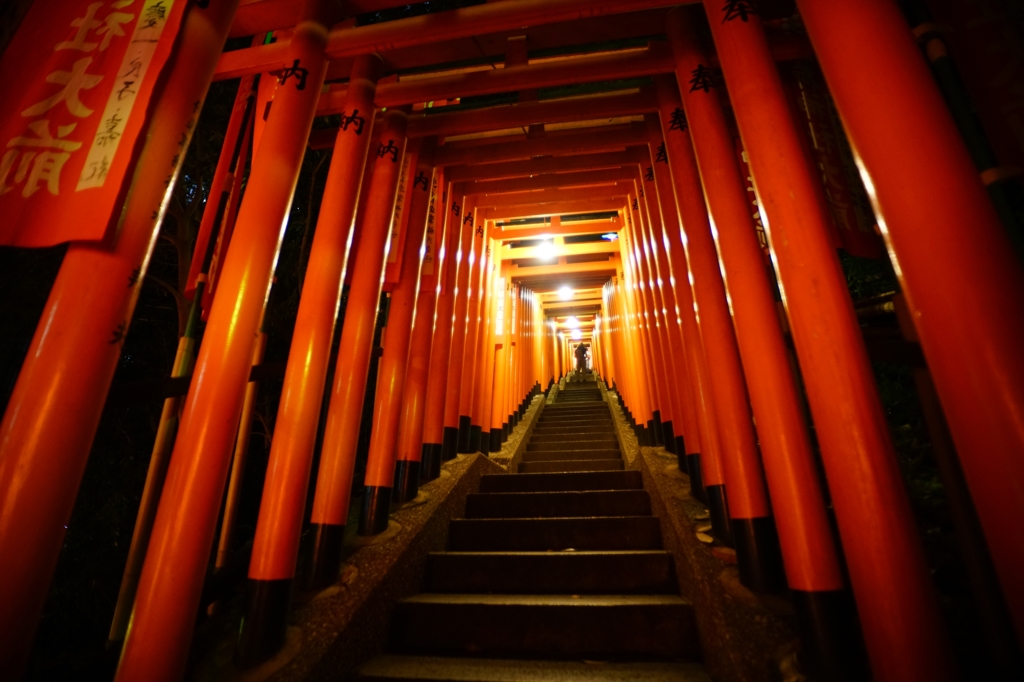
pixel 661 625
pixel 546 600
pixel 392 668
pixel 565 431
pixel 565 455
pixel 543 442
pixel 586 572
pixel 559 481
pixel 555 534
pixel 573 465
pixel 558 504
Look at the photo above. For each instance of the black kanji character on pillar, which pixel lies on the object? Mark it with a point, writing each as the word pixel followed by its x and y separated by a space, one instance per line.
pixel 468 220
pixel 703 79
pixel 636 206
pixel 390 149
pixel 649 175
pixel 678 120
pixel 480 233
pixel 738 9
pixel 294 70
pixel 662 155
pixel 421 177
pixel 134 277
pixel 355 119
pixel 455 208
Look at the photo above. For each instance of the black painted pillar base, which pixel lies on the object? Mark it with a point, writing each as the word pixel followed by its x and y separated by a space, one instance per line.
pixel 463 443
pixel 265 623
pixel 697 488
pixel 376 508
pixel 513 420
pixel 475 444
pixel 430 462
pixel 407 481
pixel 504 431
pixel 758 554
pixel 659 437
pixel 651 438
pixel 326 562
pixel 669 434
pixel 496 440
pixel 833 648
pixel 449 443
pixel 718 507
pixel 681 454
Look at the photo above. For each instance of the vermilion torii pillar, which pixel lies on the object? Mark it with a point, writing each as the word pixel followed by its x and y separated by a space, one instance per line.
pixel 750 516
pixel 71 360
pixel 675 356
pixel 456 411
pixel 684 414
pixel 279 525
pixel 499 403
pixel 813 567
pixel 435 432
pixel 337 460
pixel 955 263
pixel 469 439
pixel 485 353
pixel 380 466
pixel 653 303
pixel 160 633
pixel 897 605
pixel 414 456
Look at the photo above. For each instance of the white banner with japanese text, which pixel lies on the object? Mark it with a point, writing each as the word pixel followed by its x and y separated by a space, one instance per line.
pixel 77 80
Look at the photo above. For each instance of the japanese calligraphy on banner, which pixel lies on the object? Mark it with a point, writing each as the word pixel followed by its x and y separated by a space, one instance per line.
pixel 77 80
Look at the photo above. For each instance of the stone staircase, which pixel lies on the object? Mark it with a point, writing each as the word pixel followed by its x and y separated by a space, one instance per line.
pixel 556 572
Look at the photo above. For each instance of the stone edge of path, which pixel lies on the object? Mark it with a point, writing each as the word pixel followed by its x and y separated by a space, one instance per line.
pixel 743 635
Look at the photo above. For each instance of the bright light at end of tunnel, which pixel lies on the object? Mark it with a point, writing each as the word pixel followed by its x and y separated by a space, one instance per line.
pixel 546 250
pixel 572 323
pixel 577 335
pixel 565 293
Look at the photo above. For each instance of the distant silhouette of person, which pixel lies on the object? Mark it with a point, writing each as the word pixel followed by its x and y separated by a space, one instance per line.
pixel 581 358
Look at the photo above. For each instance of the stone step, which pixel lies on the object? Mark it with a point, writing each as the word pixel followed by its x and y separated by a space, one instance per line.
pixel 635 572
pixel 546 625
pixel 580 407
pixel 581 452
pixel 556 431
pixel 557 504
pixel 578 425
pixel 541 535
pixel 392 668
pixel 574 416
pixel 603 441
pixel 587 425
pixel 535 483
pixel 573 465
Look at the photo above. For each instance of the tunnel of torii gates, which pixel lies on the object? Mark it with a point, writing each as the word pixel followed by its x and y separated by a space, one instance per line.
pixel 620 216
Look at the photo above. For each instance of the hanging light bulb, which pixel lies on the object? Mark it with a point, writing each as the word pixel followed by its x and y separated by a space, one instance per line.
pixel 566 293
